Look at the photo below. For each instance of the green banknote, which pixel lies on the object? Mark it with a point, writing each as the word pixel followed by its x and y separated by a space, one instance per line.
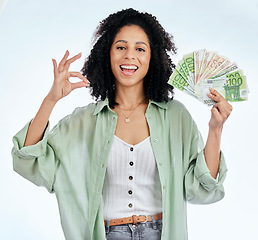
pixel 232 88
pixel 201 70
pixel 236 88
pixel 183 69
pixel 189 63
pixel 217 84
pixel 178 81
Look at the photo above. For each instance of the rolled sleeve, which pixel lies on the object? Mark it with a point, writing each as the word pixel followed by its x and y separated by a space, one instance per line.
pixel 37 163
pixel 201 187
pixel 33 151
pixel 202 173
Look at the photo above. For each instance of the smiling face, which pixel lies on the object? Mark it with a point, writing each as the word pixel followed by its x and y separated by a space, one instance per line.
pixel 130 56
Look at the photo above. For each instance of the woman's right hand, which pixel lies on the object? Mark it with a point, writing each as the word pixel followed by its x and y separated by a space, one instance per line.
pixel 62 86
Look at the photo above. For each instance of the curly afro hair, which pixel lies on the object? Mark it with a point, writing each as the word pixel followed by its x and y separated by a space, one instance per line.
pixel 97 67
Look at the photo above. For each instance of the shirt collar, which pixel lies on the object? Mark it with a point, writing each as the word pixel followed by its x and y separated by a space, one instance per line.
pixel 102 104
pixel 163 105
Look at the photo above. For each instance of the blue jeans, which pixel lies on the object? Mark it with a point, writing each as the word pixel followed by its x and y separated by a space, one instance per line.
pixel 148 231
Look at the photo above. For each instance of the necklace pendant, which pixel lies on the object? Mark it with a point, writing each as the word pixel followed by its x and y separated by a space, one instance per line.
pixel 127 120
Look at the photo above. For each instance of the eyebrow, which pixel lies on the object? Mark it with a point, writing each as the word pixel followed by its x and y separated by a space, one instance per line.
pixel 124 41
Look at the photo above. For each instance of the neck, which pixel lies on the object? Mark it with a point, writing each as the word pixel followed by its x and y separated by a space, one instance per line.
pixel 129 98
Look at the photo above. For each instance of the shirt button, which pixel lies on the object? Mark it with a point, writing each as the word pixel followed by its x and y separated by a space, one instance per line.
pixel 130 205
pixel 156 140
pixel 131 163
pixel 130 192
pixel 130 177
pixel 160 163
pixel 131 149
pixel 102 165
pixel 113 117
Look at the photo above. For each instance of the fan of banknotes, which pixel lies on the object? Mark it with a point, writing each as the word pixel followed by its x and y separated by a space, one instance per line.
pixel 201 70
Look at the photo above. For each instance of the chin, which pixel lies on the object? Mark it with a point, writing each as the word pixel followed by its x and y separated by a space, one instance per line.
pixel 129 82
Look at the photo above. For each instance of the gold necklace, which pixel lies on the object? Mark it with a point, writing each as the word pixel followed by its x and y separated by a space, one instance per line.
pixel 127 119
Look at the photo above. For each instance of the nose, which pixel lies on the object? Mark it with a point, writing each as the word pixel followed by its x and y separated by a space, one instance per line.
pixel 130 54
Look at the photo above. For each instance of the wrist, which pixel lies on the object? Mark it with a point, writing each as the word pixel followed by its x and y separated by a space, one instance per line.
pixel 50 101
pixel 215 131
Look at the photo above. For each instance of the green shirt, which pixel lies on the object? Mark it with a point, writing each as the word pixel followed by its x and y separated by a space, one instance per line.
pixel 71 161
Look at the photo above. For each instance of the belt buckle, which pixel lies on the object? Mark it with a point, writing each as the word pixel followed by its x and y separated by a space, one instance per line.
pixel 145 217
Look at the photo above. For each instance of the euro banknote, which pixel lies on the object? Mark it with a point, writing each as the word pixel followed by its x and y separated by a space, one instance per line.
pixel 201 70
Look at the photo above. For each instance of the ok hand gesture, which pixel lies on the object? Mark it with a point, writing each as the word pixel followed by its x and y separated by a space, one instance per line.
pixel 62 86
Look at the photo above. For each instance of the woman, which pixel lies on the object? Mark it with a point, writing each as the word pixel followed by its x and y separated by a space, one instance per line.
pixel 123 167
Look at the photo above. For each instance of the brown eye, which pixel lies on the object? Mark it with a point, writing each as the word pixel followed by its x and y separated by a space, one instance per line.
pixel 120 48
pixel 140 49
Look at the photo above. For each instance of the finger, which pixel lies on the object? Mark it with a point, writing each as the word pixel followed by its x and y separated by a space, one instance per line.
pixel 215 95
pixel 225 102
pixel 79 85
pixel 62 62
pixel 79 75
pixel 55 67
pixel 215 112
pixel 216 118
pixel 222 109
pixel 230 108
pixel 71 60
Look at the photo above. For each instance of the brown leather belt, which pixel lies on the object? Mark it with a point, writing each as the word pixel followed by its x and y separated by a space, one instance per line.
pixel 134 220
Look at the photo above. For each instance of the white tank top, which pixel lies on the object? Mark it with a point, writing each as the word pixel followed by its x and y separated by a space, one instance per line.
pixel 132 185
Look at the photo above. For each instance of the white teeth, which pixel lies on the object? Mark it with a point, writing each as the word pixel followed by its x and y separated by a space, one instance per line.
pixel 129 67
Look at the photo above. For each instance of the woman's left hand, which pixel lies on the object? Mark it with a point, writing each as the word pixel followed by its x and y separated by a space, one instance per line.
pixel 220 111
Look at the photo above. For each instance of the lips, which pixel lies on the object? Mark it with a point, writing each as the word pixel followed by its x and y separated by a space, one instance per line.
pixel 128 69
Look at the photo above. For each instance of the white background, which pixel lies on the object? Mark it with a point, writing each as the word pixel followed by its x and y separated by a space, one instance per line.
pixel 34 31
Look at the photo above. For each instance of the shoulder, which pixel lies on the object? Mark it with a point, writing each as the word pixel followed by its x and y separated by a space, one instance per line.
pixel 176 107
pixel 178 113
pixel 78 118
pixel 85 110
pixel 180 118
